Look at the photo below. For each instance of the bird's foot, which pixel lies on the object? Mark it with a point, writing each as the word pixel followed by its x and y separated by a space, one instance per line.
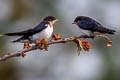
pixel 56 36
pixel 92 34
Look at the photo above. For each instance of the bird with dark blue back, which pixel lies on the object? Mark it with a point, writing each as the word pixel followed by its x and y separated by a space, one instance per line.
pixel 41 31
pixel 87 23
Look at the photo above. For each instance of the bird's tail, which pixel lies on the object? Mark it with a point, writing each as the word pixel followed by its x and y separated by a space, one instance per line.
pixel 111 31
pixel 15 41
pixel 13 34
pixel 21 39
pixel 105 30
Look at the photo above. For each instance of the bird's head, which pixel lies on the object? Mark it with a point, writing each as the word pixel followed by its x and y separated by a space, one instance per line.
pixel 78 18
pixel 50 19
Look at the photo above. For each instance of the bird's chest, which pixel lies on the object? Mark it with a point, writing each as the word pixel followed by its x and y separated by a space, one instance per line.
pixel 46 33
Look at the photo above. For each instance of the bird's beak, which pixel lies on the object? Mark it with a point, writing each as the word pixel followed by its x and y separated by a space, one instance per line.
pixel 74 23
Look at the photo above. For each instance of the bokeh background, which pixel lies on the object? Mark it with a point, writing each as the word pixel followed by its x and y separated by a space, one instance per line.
pixel 61 61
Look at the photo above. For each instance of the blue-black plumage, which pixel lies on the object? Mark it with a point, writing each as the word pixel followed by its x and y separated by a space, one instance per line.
pixel 87 23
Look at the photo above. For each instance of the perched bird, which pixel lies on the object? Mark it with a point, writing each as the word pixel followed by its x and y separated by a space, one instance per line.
pixel 42 30
pixel 87 23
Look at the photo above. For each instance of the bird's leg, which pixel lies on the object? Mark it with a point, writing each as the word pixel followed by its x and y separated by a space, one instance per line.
pixel 92 34
pixel 83 33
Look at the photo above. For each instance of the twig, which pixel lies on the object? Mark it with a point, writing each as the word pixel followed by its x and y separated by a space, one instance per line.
pixel 34 47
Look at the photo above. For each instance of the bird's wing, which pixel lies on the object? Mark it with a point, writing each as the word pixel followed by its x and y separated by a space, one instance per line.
pixel 41 26
pixel 29 32
pixel 89 23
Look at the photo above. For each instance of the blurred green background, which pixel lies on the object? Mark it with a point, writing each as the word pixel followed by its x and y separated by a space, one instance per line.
pixel 61 61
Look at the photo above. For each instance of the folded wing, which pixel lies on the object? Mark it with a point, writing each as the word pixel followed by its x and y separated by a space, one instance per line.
pixel 30 32
pixel 26 32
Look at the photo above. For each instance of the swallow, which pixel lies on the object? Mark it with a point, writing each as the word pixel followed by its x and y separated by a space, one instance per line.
pixel 89 24
pixel 43 30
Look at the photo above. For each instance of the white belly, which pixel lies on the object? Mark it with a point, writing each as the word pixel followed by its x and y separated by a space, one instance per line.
pixel 46 33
